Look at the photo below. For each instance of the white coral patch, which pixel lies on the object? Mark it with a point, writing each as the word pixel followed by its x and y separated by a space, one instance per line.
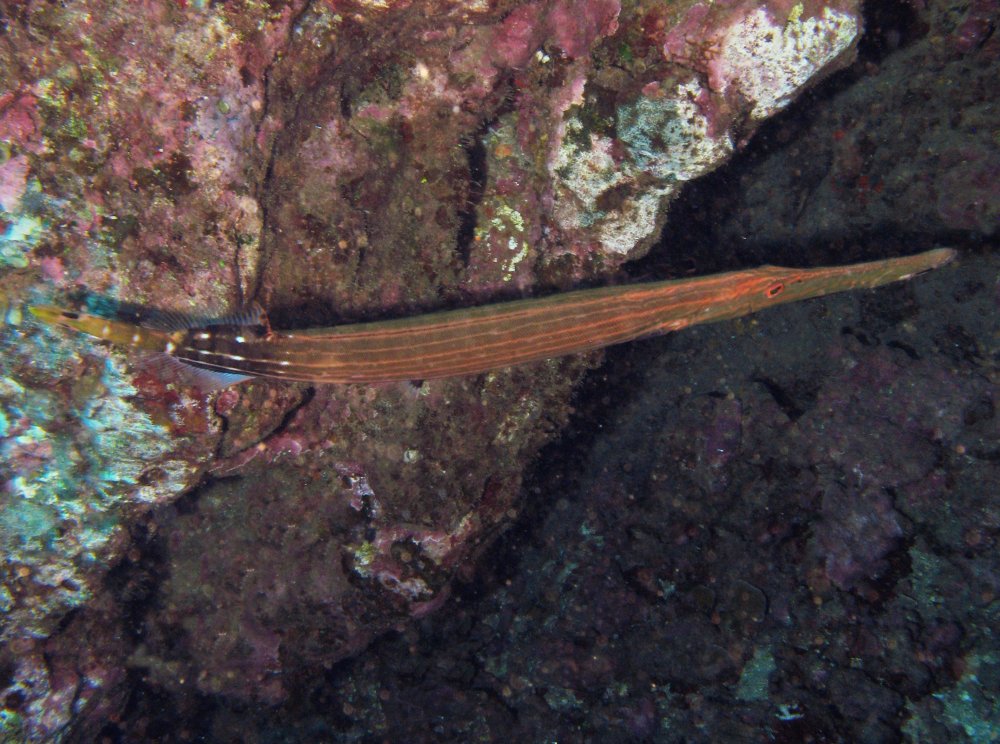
pixel 666 140
pixel 769 60
pixel 634 221
pixel 587 173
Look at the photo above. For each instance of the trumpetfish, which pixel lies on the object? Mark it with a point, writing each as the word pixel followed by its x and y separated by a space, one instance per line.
pixel 469 341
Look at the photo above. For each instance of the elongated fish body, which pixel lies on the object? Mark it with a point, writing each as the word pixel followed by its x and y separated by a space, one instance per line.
pixel 470 341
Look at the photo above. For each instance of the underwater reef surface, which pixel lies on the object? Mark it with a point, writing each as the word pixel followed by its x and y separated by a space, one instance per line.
pixel 779 529
pixel 171 551
pixel 782 528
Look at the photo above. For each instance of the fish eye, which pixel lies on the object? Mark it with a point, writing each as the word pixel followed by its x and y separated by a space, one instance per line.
pixel 775 289
pixel 70 315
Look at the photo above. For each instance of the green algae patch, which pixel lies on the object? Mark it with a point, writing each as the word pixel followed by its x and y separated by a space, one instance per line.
pixel 753 681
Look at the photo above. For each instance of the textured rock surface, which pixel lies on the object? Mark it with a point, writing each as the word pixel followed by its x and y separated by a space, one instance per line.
pixel 784 525
pixel 781 528
pixel 334 161
pixel 875 160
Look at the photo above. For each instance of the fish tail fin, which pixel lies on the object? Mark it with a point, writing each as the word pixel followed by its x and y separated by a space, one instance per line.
pixel 10 311
pixel 160 332
pixel 118 332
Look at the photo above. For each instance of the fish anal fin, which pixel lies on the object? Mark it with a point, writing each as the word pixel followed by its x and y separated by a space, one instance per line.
pixel 171 369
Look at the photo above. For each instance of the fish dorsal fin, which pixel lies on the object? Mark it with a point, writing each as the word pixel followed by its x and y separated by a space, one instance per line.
pixel 253 315
pixel 171 320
